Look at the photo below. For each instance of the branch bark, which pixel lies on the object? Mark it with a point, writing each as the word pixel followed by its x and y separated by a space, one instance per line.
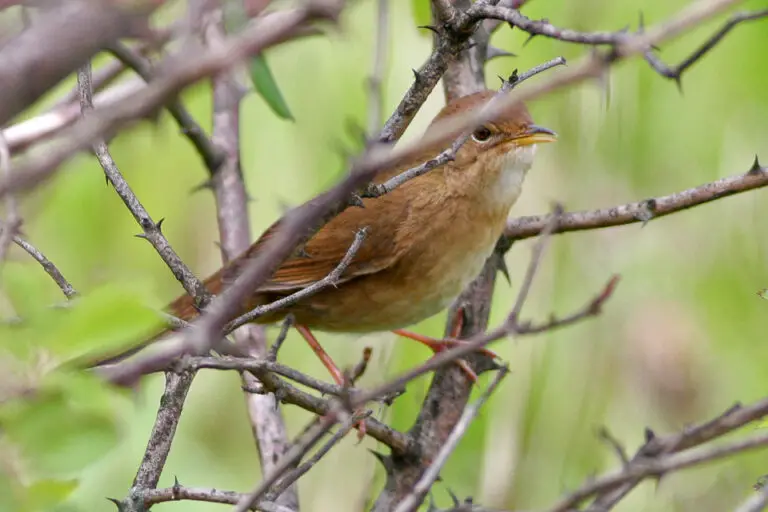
pixel 267 422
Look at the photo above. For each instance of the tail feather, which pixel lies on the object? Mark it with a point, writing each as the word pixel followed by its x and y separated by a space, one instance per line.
pixel 183 307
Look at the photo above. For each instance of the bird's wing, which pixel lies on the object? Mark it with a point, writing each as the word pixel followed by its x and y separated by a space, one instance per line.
pixel 381 217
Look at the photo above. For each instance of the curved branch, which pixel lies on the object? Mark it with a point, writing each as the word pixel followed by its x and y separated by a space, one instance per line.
pixel 641 211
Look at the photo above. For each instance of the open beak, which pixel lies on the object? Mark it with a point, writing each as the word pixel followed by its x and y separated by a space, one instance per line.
pixel 535 134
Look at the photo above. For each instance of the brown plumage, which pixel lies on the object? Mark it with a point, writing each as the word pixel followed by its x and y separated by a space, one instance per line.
pixel 426 240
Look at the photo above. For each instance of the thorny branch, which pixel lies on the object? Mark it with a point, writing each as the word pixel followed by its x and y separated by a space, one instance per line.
pixel 642 211
pixel 176 385
pixel 178 492
pixel 311 437
pixel 674 73
pixel 151 229
pixel 267 422
pixel 422 487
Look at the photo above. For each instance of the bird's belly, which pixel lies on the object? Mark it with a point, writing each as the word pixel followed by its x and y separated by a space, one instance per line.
pixel 409 292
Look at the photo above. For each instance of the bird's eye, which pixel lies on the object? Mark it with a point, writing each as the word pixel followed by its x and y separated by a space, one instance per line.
pixel 482 134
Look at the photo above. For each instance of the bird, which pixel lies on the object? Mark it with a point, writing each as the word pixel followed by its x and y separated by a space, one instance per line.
pixel 425 241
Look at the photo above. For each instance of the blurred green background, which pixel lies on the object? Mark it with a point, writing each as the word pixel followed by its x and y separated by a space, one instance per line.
pixel 679 342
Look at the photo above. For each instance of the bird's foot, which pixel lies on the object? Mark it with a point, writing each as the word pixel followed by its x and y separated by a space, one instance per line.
pixel 440 345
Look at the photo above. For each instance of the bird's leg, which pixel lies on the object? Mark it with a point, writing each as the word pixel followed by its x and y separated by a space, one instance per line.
pixel 321 354
pixel 329 364
pixel 445 344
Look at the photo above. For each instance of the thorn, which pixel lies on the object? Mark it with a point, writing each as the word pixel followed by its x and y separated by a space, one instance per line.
pixel 176 489
pixel 416 75
pixel 679 82
pixel 431 28
pixel 530 37
pixel 385 460
pixel 470 45
pixel 356 200
pixel 106 182
pixel 494 53
pixel 647 211
pixel 206 185
pixel 501 266
pixel 513 77
pixel 454 498
pixel 503 80
pixel 159 224
pixel 141 235
pixel 117 503
pixel 650 435
pixel 756 167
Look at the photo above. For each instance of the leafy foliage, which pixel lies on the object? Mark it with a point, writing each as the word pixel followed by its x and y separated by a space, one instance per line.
pixel 55 422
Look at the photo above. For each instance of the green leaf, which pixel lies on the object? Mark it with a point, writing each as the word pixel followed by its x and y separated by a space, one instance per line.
pixel 422 15
pixel 55 436
pixel 103 320
pixel 235 18
pixel 26 287
pixel 266 86
pixel 46 494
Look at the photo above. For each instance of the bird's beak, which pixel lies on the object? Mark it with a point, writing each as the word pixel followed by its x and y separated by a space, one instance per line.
pixel 535 134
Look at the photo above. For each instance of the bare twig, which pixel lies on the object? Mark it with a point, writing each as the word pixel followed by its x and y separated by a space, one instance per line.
pixel 151 229
pixel 179 493
pixel 449 44
pixel 533 266
pixel 50 269
pixel 243 364
pixel 102 77
pixel 515 18
pixel 661 446
pixel 222 157
pixel 163 431
pixel 330 280
pixel 642 211
pixel 639 469
pixel 420 490
pixel 592 308
pixel 676 72
pixel 293 475
pixel 311 437
pixel 281 336
pixel 176 385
